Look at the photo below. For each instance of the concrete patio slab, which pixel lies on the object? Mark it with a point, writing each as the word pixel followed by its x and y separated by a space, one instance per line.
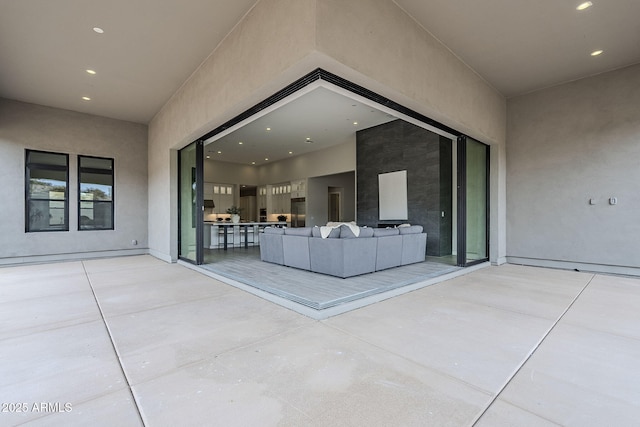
pixel 162 344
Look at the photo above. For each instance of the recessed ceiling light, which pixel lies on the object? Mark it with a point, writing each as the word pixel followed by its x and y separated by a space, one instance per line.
pixel 91 71
pixel 86 98
pixel 266 158
pixel 253 163
pixel 98 30
pixel 355 123
pixel 240 143
pixel 268 129
pixel 585 5
pixel 208 157
pixel 596 52
pixel 290 152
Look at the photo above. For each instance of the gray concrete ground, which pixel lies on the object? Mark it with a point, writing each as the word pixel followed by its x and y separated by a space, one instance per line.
pixel 133 341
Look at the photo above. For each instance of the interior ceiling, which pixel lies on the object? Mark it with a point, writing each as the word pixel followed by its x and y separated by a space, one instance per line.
pixel 150 48
pixel 317 120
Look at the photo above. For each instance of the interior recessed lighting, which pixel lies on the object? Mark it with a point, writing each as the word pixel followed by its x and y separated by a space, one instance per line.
pixel 240 143
pixel 266 158
pixel 596 52
pixel 290 152
pixel 268 129
pixel 253 163
pixel 355 123
pixel 585 5
pixel 90 71
pixel 86 98
pixel 208 157
pixel 98 30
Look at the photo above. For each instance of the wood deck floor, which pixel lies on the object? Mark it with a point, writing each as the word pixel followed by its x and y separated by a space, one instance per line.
pixel 318 291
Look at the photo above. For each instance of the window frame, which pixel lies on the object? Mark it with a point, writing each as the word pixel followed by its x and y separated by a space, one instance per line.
pixel 113 190
pixel 28 167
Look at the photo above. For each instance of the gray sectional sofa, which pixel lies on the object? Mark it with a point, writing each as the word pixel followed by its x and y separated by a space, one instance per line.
pixel 342 253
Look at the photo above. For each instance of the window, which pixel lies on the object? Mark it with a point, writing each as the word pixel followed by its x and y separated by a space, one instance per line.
pixel 95 204
pixel 47 181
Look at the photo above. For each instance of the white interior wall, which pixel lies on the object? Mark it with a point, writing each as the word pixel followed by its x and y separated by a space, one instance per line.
pixel 318 197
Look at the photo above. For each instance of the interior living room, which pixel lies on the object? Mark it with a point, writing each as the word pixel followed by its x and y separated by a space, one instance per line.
pixel 501 136
pixel 316 158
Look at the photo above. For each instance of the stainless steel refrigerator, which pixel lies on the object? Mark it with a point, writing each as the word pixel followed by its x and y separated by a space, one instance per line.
pixel 298 212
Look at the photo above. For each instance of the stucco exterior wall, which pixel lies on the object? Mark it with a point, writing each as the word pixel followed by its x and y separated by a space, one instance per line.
pixel 240 72
pixel 29 126
pixel 402 61
pixel 567 145
pixel 370 42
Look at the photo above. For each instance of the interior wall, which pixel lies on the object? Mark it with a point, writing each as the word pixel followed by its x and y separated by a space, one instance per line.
pixel 29 126
pixel 398 146
pixel 318 198
pixel 373 43
pixel 229 173
pixel 333 160
pixel 568 145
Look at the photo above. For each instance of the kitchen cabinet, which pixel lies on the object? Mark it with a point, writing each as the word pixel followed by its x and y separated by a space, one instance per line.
pixel 279 198
pixel 299 188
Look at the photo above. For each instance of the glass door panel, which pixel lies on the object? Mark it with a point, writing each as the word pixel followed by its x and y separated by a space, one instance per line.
pixel 476 201
pixel 190 203
pixel 473 201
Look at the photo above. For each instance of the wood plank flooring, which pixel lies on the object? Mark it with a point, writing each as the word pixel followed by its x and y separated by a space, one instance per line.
pixel 318 291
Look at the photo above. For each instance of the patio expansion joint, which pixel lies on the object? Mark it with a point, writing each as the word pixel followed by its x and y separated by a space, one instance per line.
pixel 531 353
pixel 162 306
pixel 115 349
pixel 214 356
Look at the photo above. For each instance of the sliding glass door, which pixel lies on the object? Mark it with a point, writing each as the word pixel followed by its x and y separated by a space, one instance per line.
pixel 473 201
pixel 190 203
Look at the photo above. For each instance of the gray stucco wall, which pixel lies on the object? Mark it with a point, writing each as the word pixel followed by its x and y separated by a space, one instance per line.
pixel 567 145
pixel 28 126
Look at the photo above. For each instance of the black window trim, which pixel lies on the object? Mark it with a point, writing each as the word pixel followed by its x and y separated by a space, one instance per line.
pixel 113 189
pixel 27 192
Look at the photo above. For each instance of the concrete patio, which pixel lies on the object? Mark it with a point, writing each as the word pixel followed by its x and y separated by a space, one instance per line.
pixel 135 341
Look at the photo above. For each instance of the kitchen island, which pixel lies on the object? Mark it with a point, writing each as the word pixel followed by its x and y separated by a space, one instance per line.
pixel 224 234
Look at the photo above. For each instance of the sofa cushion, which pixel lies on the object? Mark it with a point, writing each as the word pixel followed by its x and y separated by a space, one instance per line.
pixel 273 230
pixel 301 231
pixel 347 233
pixel 380 232
pixel 334 234
pixel 366 232
pixel 414 229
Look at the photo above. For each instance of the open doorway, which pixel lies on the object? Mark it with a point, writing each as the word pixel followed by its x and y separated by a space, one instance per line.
pixel 283 150
pixel 334 204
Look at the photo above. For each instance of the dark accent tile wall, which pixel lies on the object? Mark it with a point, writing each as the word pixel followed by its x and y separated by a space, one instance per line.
pixel 426 157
